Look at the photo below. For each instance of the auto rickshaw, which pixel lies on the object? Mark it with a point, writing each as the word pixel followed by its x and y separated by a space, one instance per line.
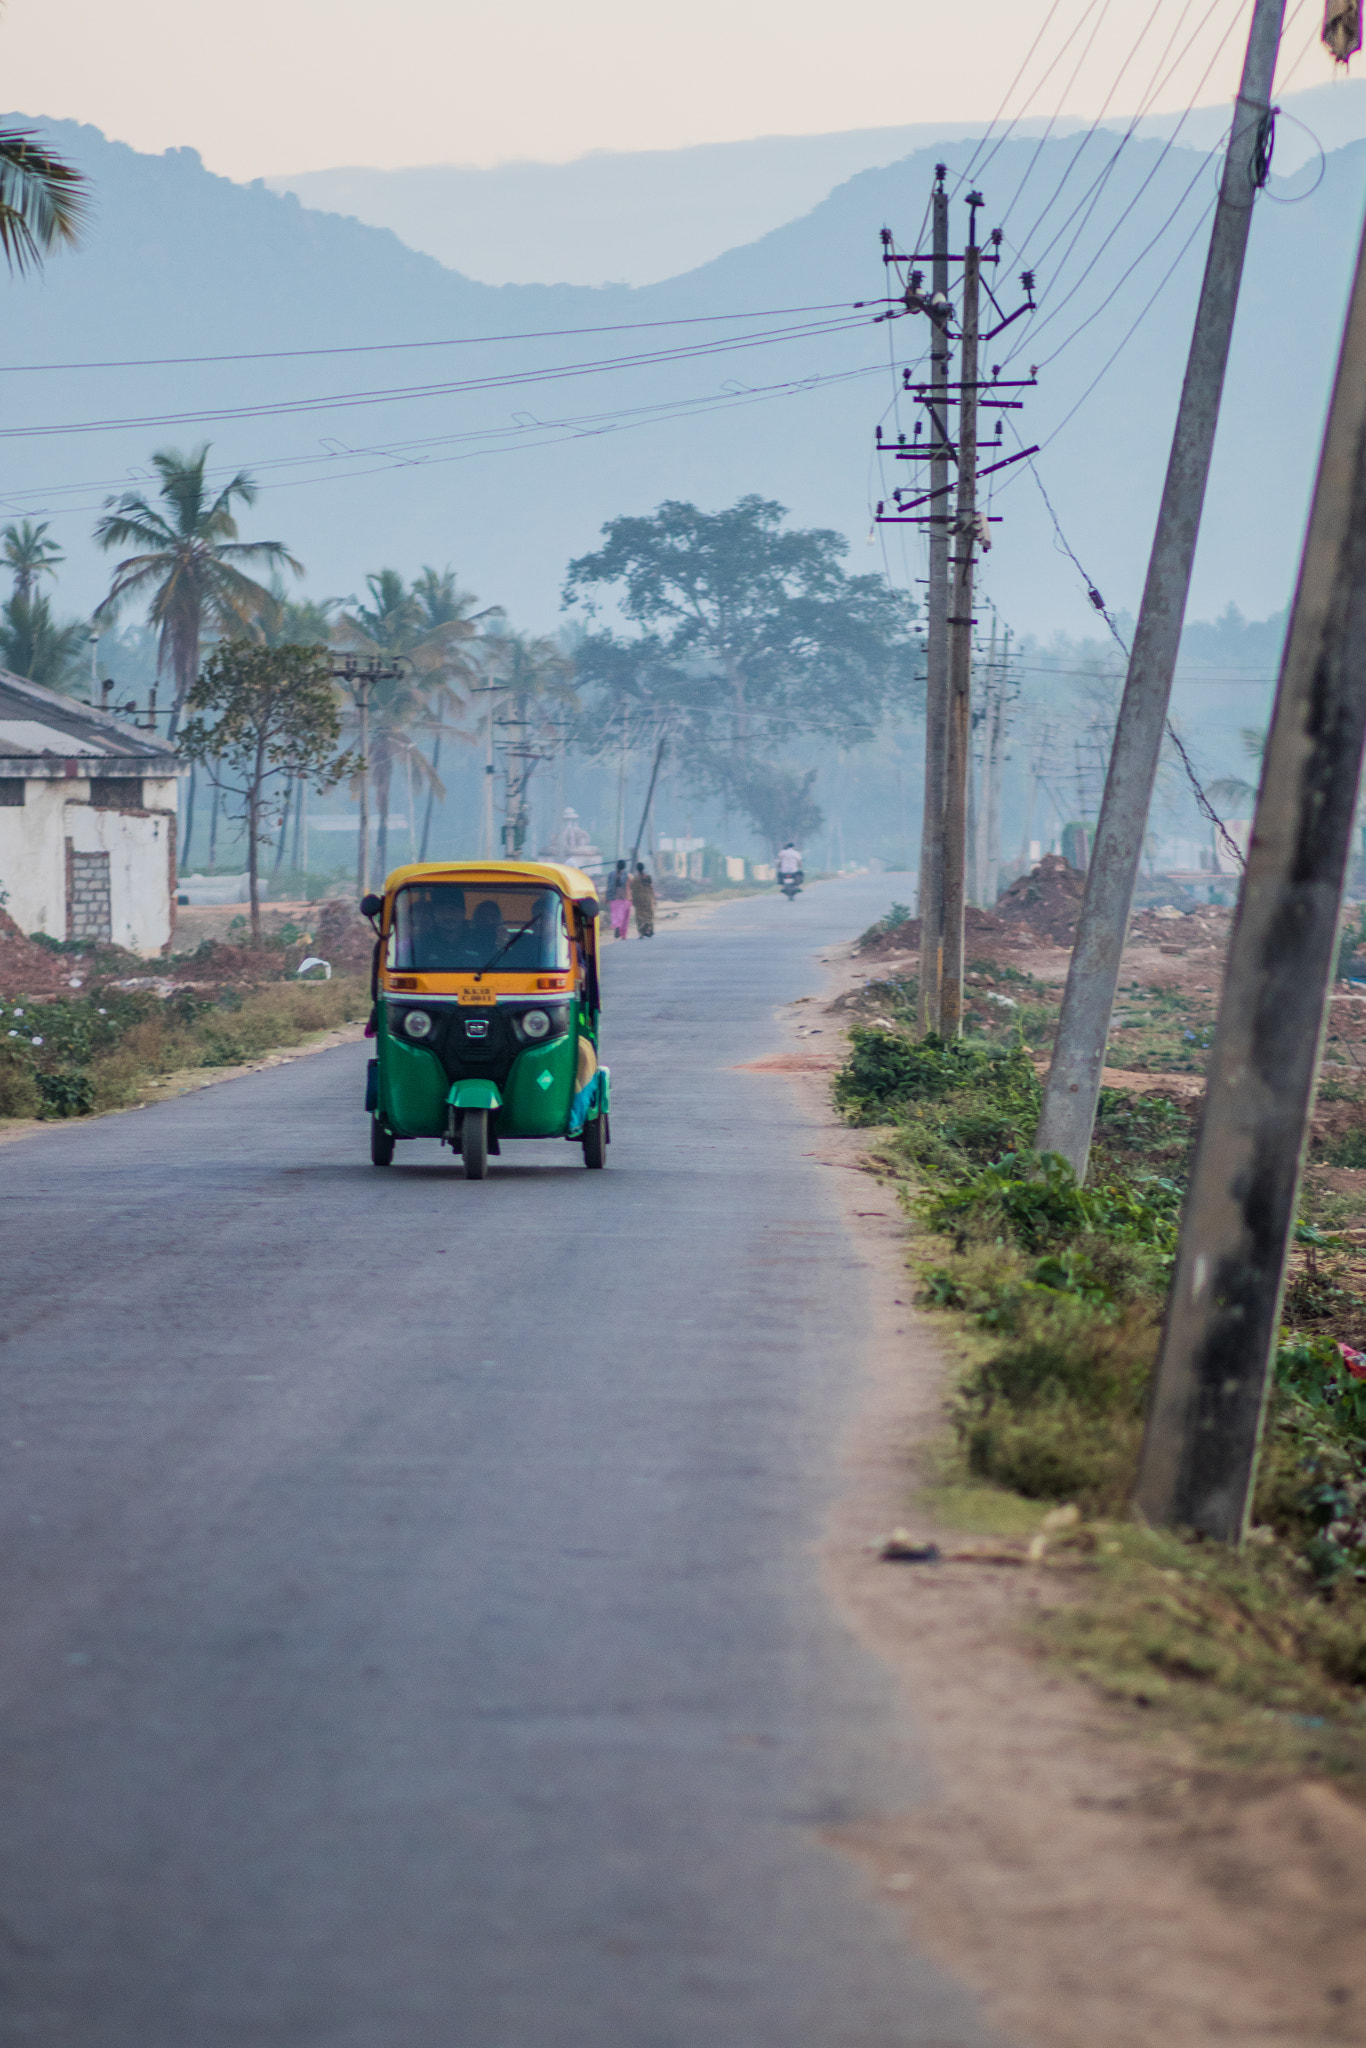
pixel 485 988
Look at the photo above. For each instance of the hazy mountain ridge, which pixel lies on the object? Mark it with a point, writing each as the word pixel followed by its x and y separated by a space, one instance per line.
pixel 182 262
pixel 642 216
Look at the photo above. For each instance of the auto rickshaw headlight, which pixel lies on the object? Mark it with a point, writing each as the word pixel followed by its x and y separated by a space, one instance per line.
pixel 536 1023
pixel 418 1024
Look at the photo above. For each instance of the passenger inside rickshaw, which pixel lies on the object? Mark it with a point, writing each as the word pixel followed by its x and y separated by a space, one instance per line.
pixel 520 931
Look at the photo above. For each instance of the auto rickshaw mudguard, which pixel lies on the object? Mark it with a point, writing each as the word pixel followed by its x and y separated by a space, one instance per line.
pixel 593 1099
pixel 474 1094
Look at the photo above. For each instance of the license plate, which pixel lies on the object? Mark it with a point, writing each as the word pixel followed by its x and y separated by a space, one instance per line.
pixel 476 993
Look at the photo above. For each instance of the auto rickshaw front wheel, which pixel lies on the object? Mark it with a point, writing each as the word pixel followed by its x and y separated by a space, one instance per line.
pixel 381 1144
pixel 474 1143
pixel 595 1142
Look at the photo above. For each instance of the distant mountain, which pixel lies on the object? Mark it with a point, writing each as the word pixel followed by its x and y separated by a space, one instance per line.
pixel 638 217
pixel 182 263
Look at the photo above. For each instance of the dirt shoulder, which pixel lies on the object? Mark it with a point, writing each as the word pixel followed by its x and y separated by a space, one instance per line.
pixel 1093 1880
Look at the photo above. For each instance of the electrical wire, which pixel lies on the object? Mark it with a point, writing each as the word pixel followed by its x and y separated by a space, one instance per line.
pixel 1097 601
pixel 363 348
pixel 380 459
pixel 344 401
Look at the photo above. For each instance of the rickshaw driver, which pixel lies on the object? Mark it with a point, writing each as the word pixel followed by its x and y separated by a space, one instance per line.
pixel 441 933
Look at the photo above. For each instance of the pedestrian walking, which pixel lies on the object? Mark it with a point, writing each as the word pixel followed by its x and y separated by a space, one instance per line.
pixel 643 900
pixel 619 899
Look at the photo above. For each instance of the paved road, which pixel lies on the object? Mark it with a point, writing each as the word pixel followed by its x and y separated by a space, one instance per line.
pixel 410 1635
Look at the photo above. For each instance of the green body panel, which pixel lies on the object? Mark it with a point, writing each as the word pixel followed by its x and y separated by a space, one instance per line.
pixel 415 1095
pixel 539 1090
pixel 474 1095
pixel 412 1088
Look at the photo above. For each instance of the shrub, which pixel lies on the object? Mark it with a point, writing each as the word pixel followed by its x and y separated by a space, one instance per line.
pixel 18 1090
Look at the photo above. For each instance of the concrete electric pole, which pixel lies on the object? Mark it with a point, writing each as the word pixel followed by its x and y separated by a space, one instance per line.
pixel 1200 1448
pixel 961 561
pixel 1073 1086
pixel 936 624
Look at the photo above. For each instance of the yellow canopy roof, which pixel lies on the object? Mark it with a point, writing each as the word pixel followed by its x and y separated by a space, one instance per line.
pixel 571 882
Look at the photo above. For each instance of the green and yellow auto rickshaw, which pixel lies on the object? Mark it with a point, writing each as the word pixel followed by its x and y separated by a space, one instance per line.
pixel 486 1010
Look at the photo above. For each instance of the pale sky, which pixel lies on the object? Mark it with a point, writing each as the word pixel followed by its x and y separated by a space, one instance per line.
pixel 276 86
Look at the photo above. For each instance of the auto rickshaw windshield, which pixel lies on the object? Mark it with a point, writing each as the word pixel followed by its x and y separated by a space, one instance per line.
pixel 447 928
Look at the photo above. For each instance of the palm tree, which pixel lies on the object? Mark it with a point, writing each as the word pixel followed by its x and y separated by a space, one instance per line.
pixel 28 554
pixel 534 680
pixel 443 603
pixel 422 631
pixel 32 644
pixel 43 200
pixel 187 559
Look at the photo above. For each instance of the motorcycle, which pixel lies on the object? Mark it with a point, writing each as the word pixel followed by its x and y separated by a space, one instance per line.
pixel 791 885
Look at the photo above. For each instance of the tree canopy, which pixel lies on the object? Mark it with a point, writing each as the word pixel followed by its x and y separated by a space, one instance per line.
pixel 261 712
pixel 747 635
pixel 189 559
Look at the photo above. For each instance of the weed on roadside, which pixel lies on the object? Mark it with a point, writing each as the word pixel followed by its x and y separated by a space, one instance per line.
pixel 1061 1287
pixel 78 1055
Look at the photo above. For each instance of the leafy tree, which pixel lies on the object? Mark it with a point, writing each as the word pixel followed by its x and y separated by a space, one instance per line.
pixel 747 634
pixel 188 561
pixel 32 644
pixel 43 200
pixel 778 799
pixel 258 712
pixel 29 554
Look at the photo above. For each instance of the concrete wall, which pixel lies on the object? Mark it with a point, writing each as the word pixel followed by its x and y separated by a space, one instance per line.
pixel 140 845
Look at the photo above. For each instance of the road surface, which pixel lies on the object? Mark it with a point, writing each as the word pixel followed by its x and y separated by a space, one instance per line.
pixel 410 1630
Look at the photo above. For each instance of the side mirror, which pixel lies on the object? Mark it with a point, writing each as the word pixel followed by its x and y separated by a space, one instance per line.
pixel 588 909
pixel 371 906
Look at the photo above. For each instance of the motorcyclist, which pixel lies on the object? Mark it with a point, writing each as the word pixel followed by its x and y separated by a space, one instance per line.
pixel 789 864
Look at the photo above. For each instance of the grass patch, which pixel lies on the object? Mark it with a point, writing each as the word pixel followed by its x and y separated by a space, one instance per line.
pixel 1057 1292
pixel 80 1055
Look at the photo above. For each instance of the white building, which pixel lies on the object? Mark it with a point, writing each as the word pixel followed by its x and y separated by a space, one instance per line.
pixel 88 821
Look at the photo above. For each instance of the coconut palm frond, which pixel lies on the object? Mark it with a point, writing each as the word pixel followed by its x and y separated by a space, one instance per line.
pixel 44 201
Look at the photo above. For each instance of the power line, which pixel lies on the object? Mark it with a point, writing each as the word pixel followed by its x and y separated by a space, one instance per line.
pixel 1203 803
pixel 273 355
pixel 555 434
pixel 388 395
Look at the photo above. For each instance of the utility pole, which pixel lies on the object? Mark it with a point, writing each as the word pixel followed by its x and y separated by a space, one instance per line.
pixel 358 679
pixel 936 625
pixel 1200 1447
pixel 1001 683
pixel 981 837
pixel 959 750
pixel 363 864
pixel 1073 1086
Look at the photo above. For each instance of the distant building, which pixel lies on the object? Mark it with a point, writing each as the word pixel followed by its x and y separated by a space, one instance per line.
pixel 572 845
pixel 88 821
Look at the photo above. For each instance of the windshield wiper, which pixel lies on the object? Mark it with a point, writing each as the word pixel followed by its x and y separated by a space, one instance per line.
pixel 489 965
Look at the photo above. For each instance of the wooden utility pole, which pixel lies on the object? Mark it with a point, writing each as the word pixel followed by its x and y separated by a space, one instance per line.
pixel 959 751
pixel 1073 1086
pixel 1200 1448
pixel 936 624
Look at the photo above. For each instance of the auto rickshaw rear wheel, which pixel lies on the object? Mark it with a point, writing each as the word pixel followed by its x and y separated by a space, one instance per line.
pixel 474 1143
pixel 595 1142
pixel 381 1144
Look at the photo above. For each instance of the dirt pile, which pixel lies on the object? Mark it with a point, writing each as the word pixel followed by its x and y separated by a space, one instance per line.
pixel 1047 900
pixel 980 928
pixel 1208 924
pixel 343 937
pixel 27 969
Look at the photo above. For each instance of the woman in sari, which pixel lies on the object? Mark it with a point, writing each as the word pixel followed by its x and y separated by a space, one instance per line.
pixel 619 900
